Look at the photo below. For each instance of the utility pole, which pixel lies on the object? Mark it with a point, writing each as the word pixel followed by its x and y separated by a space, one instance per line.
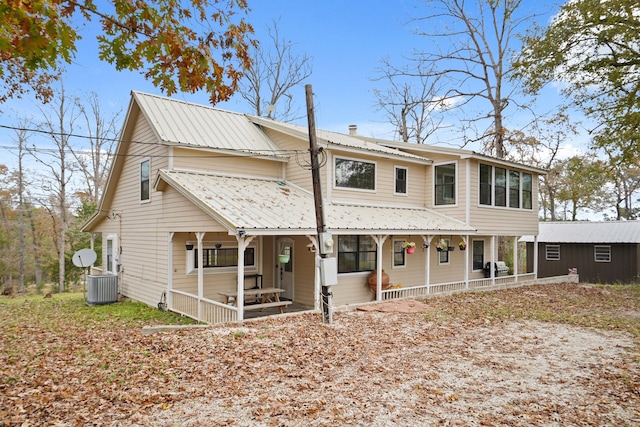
pixel 323 239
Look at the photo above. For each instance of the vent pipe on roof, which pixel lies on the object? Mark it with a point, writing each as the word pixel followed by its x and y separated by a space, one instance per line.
pixel 353 129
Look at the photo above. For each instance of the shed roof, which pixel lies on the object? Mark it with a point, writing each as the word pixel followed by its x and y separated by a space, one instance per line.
pixel 587 232
pixel 267 206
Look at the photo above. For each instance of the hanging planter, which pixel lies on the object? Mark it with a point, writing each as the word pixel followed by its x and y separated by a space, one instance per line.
pixel 283 258
pixel 451 248
pixel 462 245
pixel 410 247
pixel 442 245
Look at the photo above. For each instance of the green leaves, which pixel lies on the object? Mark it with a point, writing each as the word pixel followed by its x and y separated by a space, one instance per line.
pixel 179 46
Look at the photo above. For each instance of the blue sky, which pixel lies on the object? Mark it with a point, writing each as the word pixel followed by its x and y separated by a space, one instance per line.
pixel 345 39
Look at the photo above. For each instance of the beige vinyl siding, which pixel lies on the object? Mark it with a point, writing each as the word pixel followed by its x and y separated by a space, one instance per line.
pixel 304 272
pixel 226 163
pixel 385 182
pixel 179 214
pixel 295 173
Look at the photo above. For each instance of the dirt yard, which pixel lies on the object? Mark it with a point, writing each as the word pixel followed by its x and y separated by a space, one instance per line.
pixel 565 355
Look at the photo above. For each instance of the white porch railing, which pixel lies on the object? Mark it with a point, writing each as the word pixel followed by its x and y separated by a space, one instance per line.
pixel 210 311
pixel 459 286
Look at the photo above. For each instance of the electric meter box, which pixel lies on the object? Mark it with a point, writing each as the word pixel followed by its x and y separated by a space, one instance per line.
pixel 325 243
pixel 328 271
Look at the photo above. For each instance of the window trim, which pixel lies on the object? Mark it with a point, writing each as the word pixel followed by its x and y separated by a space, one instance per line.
pixel 546 252
pixel 440 253
pixel 473 253
pixel 141 181
pixel 455 184
pixel 395 180
pixel 394 251
pixel 191 261
pixel 608 253
pixel 357 252
pixel 350 159
pixel 524 203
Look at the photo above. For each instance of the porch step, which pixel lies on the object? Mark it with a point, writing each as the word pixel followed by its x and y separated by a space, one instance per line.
pixel 267 305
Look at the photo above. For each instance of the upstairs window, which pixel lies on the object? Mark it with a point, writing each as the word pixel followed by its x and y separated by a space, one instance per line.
pixel 445 184
pixel 400 180
pixel 355 174
pixel 144 180
pixel 505 188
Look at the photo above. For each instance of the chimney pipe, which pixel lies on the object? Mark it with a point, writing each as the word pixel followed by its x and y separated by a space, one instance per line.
pixel 353 129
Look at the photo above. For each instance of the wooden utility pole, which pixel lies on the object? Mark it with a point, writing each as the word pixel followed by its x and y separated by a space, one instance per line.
pixel 325 293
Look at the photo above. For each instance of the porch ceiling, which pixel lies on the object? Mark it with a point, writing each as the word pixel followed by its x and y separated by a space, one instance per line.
pixel 270 207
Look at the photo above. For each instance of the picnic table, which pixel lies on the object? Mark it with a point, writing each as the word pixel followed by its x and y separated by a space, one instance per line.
pixel 265 297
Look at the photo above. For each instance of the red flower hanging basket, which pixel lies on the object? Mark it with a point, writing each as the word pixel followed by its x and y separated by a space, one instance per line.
pixel 410 250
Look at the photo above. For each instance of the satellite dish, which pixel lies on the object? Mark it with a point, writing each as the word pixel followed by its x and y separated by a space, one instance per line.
pixel 84 258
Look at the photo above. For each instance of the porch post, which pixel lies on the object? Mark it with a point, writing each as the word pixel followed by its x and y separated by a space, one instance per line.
pixel 492 267
pixel 427 264
pixel 466 262
pixel 169 269
pixel 535 257
pixel 200 236
pixel 243 242
pixel 516 260
pixel 379 239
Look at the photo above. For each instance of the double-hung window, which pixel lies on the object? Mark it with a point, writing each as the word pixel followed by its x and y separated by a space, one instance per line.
pixel 356 253
pixel 355 174
pixel 400 186
pixel 445 184
pixel 399 254
pixel 144 180
pixel 477 254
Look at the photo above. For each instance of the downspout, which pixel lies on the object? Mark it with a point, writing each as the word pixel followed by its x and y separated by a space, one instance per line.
pixel 169 269
pixel 200 236
pixel 535 257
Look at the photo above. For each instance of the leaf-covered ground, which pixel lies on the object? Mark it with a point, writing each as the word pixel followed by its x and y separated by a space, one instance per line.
pixel 551 355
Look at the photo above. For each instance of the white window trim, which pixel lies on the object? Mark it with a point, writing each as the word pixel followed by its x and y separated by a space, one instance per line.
pixel 456 186
pixel 595 248
pixel 115 259
pixel 508 194
pixel 146 159
pixel 448 262
pixel 393 255
pixel 190 259
pixel 546 255
pixel 395 177
pixel 353 159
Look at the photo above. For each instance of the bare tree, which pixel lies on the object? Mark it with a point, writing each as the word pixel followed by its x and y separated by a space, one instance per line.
pixel 58 167
pixel 474 42
pixel 102 132
pixel 410 101
pixel 275 70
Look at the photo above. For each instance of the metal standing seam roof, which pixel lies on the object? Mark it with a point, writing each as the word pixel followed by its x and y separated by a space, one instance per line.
pixel 265 206
pixel 587 232
pixel 337 139
pixel 185 123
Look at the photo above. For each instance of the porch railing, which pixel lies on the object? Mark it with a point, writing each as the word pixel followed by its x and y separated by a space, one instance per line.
pixel 210 311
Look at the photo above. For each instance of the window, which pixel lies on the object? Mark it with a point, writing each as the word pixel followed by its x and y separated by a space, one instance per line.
pixel 514 189
pixel 399 254
pixel 356 253
pixel 401 180
pixel 602 253
pixel 477 254
pixel 445 181
pixel 527 191
pixel 508 187
pixel 144 180
pixel 219 258
pixel 485 184
pixel 112 255
pixel 501 187
pixel 355 174
pixel 552 252
pixel 443 256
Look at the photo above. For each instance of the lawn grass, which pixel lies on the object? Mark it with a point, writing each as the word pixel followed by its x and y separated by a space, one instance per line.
pixel 31 310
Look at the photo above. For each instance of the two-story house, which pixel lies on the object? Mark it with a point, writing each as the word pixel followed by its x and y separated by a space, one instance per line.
pixel 201 203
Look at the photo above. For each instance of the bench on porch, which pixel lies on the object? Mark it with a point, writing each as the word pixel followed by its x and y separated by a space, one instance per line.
pixel 263 305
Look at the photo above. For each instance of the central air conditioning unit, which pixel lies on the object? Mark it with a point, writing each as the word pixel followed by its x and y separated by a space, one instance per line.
pixel 102 289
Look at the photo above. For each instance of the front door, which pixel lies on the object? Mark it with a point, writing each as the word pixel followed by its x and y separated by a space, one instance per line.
pixel 285 269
